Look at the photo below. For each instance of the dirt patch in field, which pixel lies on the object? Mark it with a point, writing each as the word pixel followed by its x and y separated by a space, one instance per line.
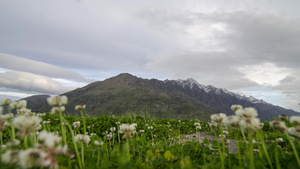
pixel 193 137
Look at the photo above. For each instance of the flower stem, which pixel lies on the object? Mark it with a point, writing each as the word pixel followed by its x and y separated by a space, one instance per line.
pixel 63 131
pixel 83 121
pixel 294 149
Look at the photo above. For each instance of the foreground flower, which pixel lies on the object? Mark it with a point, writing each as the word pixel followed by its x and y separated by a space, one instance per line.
pixel 79 107
pixel 236 107
pixel 232 121
pixel 250 123
pixel 32 158
pixel 26 124
pixel 57 100
pixel 48 139
pixel 280 125
pixel 82 138
pixel 76 124
pixel 294 132
pixel 6 102
pixel 295 120
pixel 127 129
pixel 218 118
pixel 18 105
pixel 10 157
pixel 57 109
pixel 248 112
pixel 283 117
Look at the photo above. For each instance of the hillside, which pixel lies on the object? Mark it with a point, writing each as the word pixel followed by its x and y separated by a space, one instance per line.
pixel 161 99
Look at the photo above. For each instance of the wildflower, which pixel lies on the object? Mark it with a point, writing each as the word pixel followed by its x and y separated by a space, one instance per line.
pixel 6 102
pixel 142 131
pixel 112 129
pixel 48 139
pixel 57 100
pixel 40 114
pixel 150 128
pixel 24 111
pixel 225 132
pixel 10 157
pixel 222 136
pixel 280 125
pixel 127 129
pixel 76 124
pixel 82 138
pixel 198 127
pixel 13 143
pixel 31 158
pixel 250 123
pixel 218 118
pixel 295 120
pixel 98 143
pixel 93 134
pixel 248 112
pixel 118 123
pixel 279 140
pixel 236 107
pixel 146 125
pixel 227 141
pixel 26 124
pixel 213 125
pixel 57 109
pixel 196 124
pixel 18 105
pixel 109 136
pixel 283 117
pixel 80 107
pixel 294 132
pixel 232 121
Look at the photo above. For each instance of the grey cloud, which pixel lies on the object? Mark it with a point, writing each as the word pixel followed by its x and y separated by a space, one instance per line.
pixel 25 82
pixel 22 64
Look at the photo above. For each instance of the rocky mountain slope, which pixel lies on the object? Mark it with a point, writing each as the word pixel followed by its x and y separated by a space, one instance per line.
pixel 161 99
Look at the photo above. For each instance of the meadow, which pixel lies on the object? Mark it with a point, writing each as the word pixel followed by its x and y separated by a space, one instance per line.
pixel 54 140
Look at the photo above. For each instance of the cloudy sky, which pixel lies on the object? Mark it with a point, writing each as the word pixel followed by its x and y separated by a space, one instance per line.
pixel 249 47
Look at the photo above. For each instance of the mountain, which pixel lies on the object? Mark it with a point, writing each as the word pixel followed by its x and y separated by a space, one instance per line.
pixel 161 99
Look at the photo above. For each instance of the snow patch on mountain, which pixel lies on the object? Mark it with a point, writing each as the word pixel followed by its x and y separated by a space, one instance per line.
pixel 191 83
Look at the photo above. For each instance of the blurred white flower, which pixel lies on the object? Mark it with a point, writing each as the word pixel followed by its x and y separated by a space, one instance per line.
pixel 250 123
pixel 247 112
pixel 236 107
pixel 218 118
pixel 82 138
pixel 198 127
pixel 48 139
pixel 24 111
pixel 6 102
pixel 283 117
pixel 57 109
pixel 294 132
pixel 127 129
pixel 13 143
pixel 18 104
pixel 10 157
pixel 57 100
pixel 79 107
pixel 76 124
pixel 26 124
pixel 30 158
pixel 280 125
pixel 112 129
pixel 150 127
pixel 196 124
pixel 98 143
pixel 295 120
pixel 232 121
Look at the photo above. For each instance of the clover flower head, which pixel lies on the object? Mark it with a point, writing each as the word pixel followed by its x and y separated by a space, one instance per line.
pixel 118 123
pixel 26 124
pixel 6 102
pixel 32 157
pixel 57 109
pixel 294 132
pixel 236 107
pixel 76 124
pixel 24 111
pixel 232 121
pixel 82 138
pixel 18 104
pixel 198 127
pixel 283 117
pixel 98 143
pixel 247 112
pixel 127 129
pixel 13 143
pixel 150 127
pixel 142 131
pixel 79 107
pixel 218 118
pixel 112 129
pixel 250 123
pixel 48 139
pixel 10 157
pixel 196 124
pixel 57 100
pixel 280 125
pixel 295 120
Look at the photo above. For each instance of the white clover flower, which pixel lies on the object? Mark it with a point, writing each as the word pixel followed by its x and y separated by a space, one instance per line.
pixel 279 140
pixel 236 107
pixel 13 143
pixel 24 111
pixel 57 109
pixel 18 105
pixel 93 134
pixel 127 129
pixel 294 132
pixel 30 158
pixel 142 131
pixel 10 157
pixel 247 112
pixel 198 127
pixel 109 136
pixel 225 132
pixel 232 121
pixel 150 127
pixel 112 129
pixel 250 123
pixel 82 138
pixel 6 102
pixel 26 123
pixel 98 143
pixel 118 123
pixel 76 124
pixel 48 139
pixel 40 114
pixel 280 125
pixel 57 100
pixel 218 118
pixel 283 117
pixel 79 107
pixel 295 120
pixel 196 124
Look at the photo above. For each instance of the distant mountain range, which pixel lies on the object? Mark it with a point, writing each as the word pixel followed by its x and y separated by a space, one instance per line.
pixel 160 99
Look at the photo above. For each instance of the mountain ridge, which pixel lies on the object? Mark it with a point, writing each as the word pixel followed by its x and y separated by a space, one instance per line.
pixel 162 99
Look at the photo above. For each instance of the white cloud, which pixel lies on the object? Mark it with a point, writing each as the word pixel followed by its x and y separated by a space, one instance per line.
pixel 31 83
